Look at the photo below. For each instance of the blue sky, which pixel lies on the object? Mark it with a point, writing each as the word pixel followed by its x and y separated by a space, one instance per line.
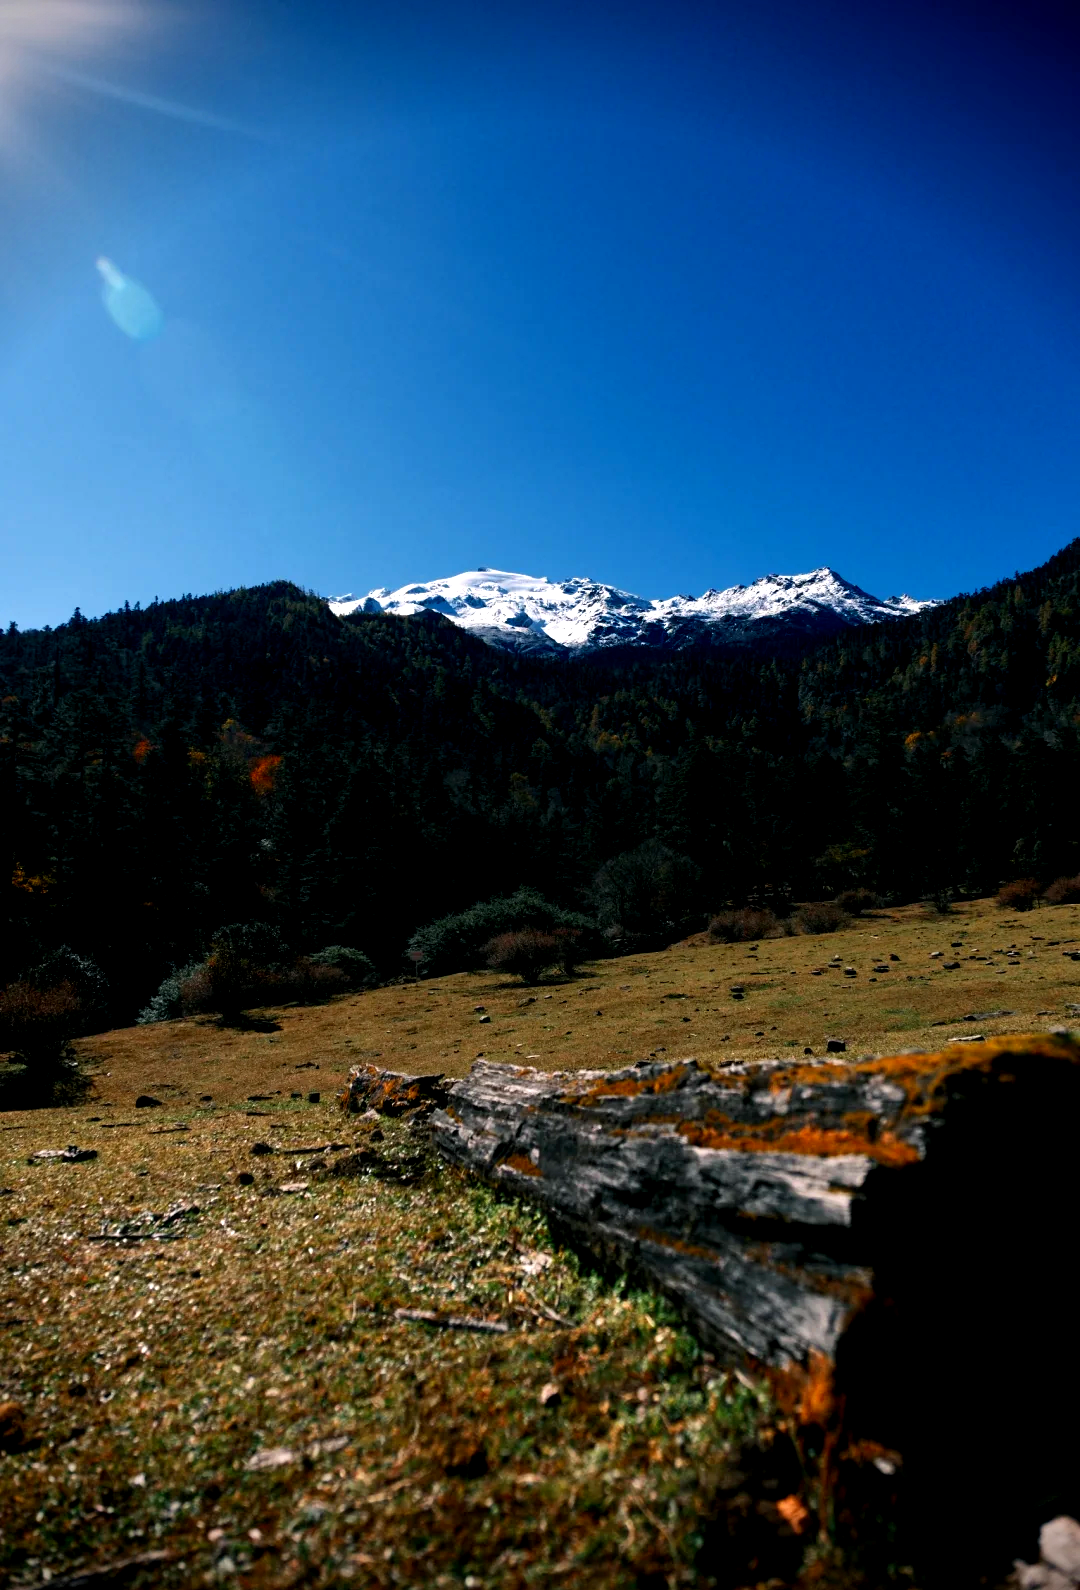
pixel 669 295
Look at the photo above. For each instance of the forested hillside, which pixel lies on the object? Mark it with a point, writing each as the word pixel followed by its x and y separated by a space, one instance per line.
pixel 249 756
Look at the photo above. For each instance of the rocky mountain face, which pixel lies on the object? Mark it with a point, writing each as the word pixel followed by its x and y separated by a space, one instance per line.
pixel 522 612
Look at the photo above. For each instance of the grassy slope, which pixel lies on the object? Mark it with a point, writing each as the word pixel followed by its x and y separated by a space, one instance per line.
pixel 152 1371
pixel 618 1011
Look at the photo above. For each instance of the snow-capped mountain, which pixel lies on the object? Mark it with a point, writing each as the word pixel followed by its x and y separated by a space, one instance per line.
pixel 523 612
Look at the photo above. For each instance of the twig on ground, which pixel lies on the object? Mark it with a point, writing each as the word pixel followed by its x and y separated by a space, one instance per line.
pixel 454 1322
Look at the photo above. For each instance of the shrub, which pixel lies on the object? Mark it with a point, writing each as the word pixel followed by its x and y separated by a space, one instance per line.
pixel 168 1003
pixel 1064 891
pixel 458 943
pixel 527 953
pixel 751 922
pixel 36 1028
pixel 354 966
pixel 941 901
pixel 856 901
pixel 306 981
pixel 84 976
pixel 647 891
pixel 1019 895
pixel 820 916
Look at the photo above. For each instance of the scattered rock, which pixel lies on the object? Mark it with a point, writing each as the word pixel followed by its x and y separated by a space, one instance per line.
pixel 479 1009
pixel 894 957
pixel 1059 1545
pixel 245 1179
pixel 484 1019
pixel 936 955
pixel 66 1156
pixel 881 968
pixel 551 1394
pixel 313 1098
pixel 1059 1554
pixel 146 1101
pixel 951 966
pixel 12 1426
pixel 271 1457
pixel 262 1148
pixel 849 971
pixel 835 1046
pixel 808 1051
pixel 293 1186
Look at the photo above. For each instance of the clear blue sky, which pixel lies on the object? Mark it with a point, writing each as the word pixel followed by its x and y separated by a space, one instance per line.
pixel 671 295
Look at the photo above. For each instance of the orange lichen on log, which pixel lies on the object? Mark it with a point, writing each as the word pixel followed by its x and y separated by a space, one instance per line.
pixel 628 1087
pixel 521 1163
pixel 664 1239
pixel 773 1137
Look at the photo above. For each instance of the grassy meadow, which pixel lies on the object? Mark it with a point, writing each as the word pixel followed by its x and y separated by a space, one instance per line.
pixel 203 1373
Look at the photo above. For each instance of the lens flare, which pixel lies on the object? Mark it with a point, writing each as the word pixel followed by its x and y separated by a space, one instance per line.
pixel 130 305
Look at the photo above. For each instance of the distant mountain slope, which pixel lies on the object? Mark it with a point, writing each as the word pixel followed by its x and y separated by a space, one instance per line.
pixel 523 612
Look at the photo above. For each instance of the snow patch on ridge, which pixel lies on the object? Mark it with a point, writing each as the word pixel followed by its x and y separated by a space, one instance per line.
pixel 528 612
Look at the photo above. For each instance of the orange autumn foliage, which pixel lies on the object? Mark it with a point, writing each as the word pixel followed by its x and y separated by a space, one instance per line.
pixel 263 773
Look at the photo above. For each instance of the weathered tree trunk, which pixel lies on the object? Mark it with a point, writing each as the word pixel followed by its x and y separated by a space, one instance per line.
pixel 891 1241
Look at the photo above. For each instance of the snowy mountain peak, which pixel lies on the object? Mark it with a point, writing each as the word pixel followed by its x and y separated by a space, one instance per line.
pixel 525 612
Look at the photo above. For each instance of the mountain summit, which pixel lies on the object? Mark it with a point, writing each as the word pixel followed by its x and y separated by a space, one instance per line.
pixel 524 612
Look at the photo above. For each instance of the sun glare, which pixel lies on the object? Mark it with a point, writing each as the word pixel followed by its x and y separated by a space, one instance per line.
pixel 39 36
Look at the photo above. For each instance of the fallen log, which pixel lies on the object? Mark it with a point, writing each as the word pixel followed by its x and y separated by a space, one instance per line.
pixel 888 1241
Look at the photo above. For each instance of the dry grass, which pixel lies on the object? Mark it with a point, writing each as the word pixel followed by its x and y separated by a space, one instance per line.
pixel 155 1365
pixel 677 1002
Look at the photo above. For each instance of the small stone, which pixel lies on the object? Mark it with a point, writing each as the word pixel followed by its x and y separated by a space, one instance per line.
pixel 71 1155
pixel 835 1046
pixel 478 1010
pixel 882 968
pixel 551 1394
pixel 293 1187
pixel 894 957
pixel 245 1179
pixel 271 1457
pixel 261 1148
pixel 313 1098
pixel 146 1101
pixel 951 966
pixel 808 1051
pixel 849 971
pixel 206 1098
pixel 1059 1545
pixel 484 1019
pixel 936 955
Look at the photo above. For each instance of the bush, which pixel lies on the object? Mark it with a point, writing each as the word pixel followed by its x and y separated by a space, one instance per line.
pixel 353 965
pixel 36 1028
pixel 751 922
pixel 168 1003
pixel 1064 891
pixel 856 901
pixel 84 976
pixel 941 901
pixel 820 916
pixel 526 954
pixel 458 943
pixel 1020 895
pixel 647 891
pixel 307 982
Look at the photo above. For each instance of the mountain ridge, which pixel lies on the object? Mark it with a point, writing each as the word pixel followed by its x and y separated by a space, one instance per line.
pixel 530 613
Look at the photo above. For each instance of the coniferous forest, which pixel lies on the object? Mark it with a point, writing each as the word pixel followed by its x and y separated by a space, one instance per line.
pixel 247 757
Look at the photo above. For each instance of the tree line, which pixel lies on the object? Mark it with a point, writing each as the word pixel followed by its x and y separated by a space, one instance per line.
pixel 247 757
